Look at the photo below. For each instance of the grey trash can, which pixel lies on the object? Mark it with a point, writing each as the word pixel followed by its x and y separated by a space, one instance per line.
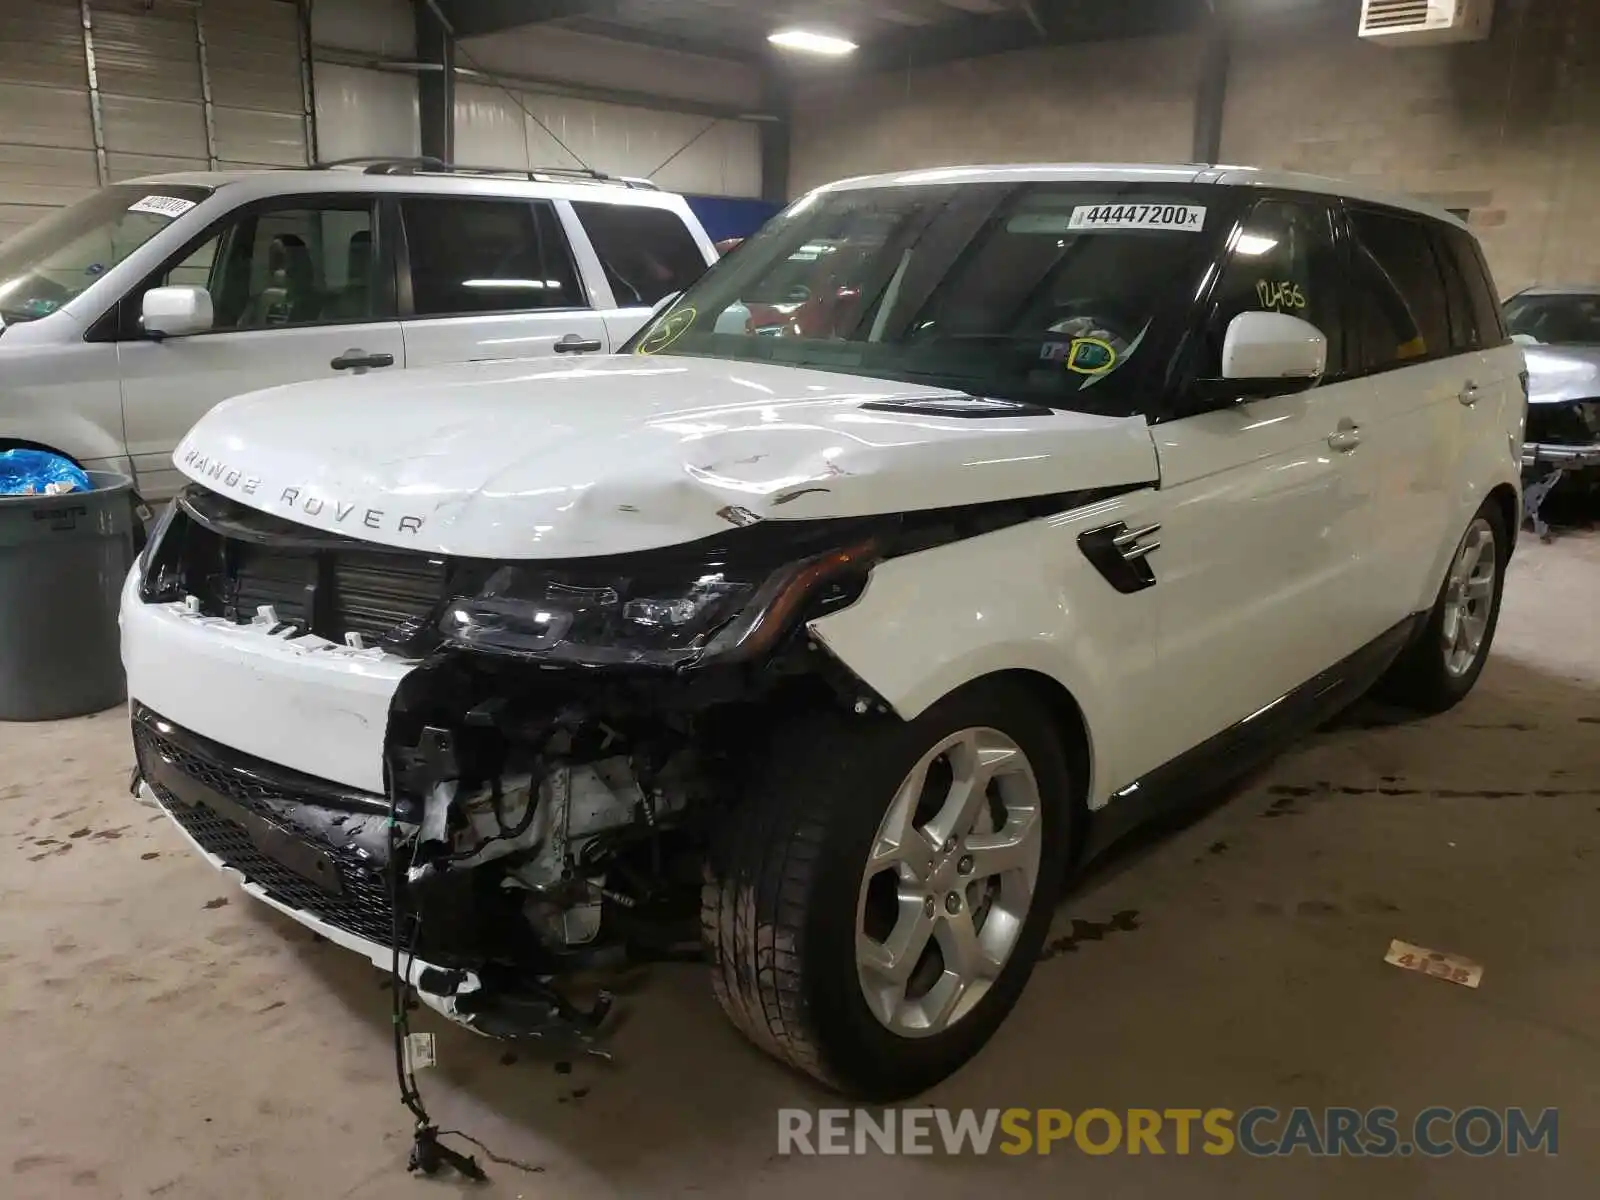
pixel 63 560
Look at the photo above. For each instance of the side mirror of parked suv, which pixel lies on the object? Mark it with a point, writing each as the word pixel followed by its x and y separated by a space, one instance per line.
pixel 1272 354
pixel 176 311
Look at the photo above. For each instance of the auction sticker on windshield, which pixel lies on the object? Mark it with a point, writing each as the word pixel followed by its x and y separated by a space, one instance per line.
pixel 1190 218
pixel 162 206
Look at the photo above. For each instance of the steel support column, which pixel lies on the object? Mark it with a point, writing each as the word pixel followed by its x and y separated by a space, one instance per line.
pixel 1211 95
pixel 775 137
pixel 436 88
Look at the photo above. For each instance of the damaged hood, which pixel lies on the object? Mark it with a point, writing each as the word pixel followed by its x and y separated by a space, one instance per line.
pixel 1558 374
pixel 554 459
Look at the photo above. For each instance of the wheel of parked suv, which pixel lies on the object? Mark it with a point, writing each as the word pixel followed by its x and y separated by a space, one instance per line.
pixel 876 904
pixel 1437 671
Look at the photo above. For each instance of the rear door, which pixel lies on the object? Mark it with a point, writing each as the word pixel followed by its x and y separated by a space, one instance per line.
pixel 301 290
pixel 644 253
pixel 1422 360
pixel 491 278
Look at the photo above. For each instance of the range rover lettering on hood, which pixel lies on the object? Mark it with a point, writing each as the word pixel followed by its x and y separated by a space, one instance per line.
pixel 554 459
pixel 223 477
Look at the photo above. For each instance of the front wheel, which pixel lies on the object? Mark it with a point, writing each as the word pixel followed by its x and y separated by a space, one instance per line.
pixel 876 904
pixel 1438 670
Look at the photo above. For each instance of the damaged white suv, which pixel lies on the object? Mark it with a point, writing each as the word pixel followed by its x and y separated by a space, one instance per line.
pixel 957 522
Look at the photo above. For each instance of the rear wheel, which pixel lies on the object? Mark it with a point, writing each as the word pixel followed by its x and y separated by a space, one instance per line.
pixel 1438 670
pixel 876 905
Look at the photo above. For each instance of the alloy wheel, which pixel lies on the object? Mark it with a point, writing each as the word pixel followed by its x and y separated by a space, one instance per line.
pixel 949 882
pixel 1469 598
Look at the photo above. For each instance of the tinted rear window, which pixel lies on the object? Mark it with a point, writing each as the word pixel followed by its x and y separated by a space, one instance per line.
pixel 1464 249
pixel 1401 310
pixel 646 253
pixel 487 256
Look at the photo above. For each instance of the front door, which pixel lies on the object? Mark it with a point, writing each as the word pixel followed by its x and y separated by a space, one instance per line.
pixel 1260 500
pixel 492 278
pixel 298 294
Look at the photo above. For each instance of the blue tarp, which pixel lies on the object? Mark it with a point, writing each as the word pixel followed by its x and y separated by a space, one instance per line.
pixel 38 473
pixel 730 216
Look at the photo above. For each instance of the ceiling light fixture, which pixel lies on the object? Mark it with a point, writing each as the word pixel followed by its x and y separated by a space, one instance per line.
pixel 812 43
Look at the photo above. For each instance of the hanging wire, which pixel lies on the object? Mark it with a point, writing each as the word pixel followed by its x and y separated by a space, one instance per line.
pixel 433 6
pixel 673 157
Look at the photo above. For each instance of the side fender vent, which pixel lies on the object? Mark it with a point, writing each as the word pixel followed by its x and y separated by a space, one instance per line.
pixel 1122 555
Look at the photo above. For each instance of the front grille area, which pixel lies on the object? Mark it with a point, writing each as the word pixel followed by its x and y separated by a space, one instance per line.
pixel 238 812
pixel 1575 423
pixel 236 561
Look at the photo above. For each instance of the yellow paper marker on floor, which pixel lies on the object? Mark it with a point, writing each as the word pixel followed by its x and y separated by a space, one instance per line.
pixel 1431 962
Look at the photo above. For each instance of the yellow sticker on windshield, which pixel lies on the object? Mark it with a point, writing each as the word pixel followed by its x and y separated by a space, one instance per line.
pixel 667 330
pixel 1091 356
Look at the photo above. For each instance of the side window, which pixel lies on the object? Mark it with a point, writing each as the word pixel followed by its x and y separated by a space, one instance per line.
pixel 1282 261
pixel 195 270
pixel 1462 248
pixel 646 253
pixel 1400 293
pixel 487 256
pixel 1464 336
pixel 296 265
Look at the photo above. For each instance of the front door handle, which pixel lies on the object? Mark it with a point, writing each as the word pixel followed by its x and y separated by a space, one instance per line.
pixel 1345 438
pixel 575 343
pixel 360 360
pixel 1469 394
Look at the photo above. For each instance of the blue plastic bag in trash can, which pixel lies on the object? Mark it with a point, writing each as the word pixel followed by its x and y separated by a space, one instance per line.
pixel 39 473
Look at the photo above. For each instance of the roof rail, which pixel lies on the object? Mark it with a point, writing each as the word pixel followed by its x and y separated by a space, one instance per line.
pixel 436 166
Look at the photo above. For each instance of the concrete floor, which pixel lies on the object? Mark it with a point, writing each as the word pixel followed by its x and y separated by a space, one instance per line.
pixel 165 1036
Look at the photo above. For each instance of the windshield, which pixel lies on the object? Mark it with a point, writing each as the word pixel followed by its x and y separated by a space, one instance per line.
pixel 1556 320
pixel 50 262
pixel 1049 293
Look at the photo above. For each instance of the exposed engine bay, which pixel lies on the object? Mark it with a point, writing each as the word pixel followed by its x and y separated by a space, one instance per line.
pixel 557 761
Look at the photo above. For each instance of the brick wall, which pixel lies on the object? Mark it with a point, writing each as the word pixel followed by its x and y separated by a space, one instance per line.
pixel 1508 129
pixel 1115 101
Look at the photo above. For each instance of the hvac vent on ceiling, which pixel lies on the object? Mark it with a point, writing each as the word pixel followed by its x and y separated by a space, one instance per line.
pixel 1425 22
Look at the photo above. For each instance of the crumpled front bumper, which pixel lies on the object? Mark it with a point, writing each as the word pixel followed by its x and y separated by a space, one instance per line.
pixel 319 853
pixel 309 848
pixel 454 983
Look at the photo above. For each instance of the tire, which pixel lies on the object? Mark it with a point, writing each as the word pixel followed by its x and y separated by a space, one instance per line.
pixel 1428 677
pixel 786 888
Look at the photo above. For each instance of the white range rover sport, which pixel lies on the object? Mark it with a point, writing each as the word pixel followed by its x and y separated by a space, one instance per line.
pixel 954 524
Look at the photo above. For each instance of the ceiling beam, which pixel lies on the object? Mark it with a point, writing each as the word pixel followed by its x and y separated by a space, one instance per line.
pixel 473 18
pixel 706 47
pixel 1043 22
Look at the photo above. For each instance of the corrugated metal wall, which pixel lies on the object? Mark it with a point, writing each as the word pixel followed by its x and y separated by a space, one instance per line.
pixel 713 157
pixel 179 86
pixel 724 158
pixel 258 91
pixel 361 111
pixel 46 136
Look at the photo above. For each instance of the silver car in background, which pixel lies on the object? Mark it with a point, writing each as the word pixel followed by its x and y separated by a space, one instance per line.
pixel 1559 330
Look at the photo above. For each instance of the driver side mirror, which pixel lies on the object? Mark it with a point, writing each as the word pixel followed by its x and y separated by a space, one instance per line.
pixel 176 311
pixel 1267 354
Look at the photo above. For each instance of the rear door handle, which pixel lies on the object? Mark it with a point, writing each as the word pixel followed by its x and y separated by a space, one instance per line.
pixel 575 343
pixel 1345 438
pixel 1469 394
pixel 360 360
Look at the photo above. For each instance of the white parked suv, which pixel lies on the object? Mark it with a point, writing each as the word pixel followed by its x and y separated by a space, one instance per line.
pixel 833 628
pixel 126 316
